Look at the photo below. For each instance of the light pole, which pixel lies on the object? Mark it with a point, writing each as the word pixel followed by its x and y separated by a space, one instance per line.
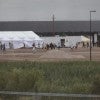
pixel 91 34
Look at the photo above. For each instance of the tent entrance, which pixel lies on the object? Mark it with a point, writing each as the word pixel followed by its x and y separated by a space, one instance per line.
pixel 62 42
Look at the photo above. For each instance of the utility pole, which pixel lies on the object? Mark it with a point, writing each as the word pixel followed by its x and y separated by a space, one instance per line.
pixel 91 36
pixel 53 19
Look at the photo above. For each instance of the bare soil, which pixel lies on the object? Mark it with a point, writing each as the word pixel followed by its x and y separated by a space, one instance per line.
pixel 50 55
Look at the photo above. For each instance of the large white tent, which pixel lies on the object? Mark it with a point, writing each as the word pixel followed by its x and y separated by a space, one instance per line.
pixel 20 38
pixel 69 40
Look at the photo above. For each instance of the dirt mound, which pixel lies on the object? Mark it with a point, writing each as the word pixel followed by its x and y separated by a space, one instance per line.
pixel 60 55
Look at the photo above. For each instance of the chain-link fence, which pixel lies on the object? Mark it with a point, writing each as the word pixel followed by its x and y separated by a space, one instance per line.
pixel 8 95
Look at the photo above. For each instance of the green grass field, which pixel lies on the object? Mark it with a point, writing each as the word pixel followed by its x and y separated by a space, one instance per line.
pixel 56 77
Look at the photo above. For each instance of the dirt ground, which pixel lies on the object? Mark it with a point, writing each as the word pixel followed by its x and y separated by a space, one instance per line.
pixel 50 55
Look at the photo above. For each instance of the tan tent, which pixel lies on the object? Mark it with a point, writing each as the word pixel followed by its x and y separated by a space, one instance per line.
pixel 84 39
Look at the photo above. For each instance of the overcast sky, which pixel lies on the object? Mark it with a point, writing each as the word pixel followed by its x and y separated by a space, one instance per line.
pixel 33 10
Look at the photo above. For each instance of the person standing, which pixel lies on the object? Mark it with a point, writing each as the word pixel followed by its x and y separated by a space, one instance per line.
pixel 33 49
pixel 3 47
pixel 0 46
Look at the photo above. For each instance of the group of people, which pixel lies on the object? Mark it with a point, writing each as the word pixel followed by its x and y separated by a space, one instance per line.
pixel 3 46
pixel 85 45
pixel 47 46
pixel 50 46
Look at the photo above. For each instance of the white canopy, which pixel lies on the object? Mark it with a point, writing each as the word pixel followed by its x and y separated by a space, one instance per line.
pixel 19 38
pixel 84 39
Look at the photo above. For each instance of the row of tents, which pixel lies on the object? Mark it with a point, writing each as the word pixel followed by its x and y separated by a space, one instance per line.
pixel 18 39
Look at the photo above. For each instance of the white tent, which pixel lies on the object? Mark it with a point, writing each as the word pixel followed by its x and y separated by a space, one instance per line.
pixel 84 39
pixel 19 38
pixel 69 40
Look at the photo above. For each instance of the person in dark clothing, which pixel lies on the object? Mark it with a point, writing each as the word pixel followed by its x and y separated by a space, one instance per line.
pixel 87 44
pixel 83 45
pixel 3 47
pixel 0 46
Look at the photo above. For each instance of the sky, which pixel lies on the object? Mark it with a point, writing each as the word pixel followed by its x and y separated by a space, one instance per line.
pixel 43 10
